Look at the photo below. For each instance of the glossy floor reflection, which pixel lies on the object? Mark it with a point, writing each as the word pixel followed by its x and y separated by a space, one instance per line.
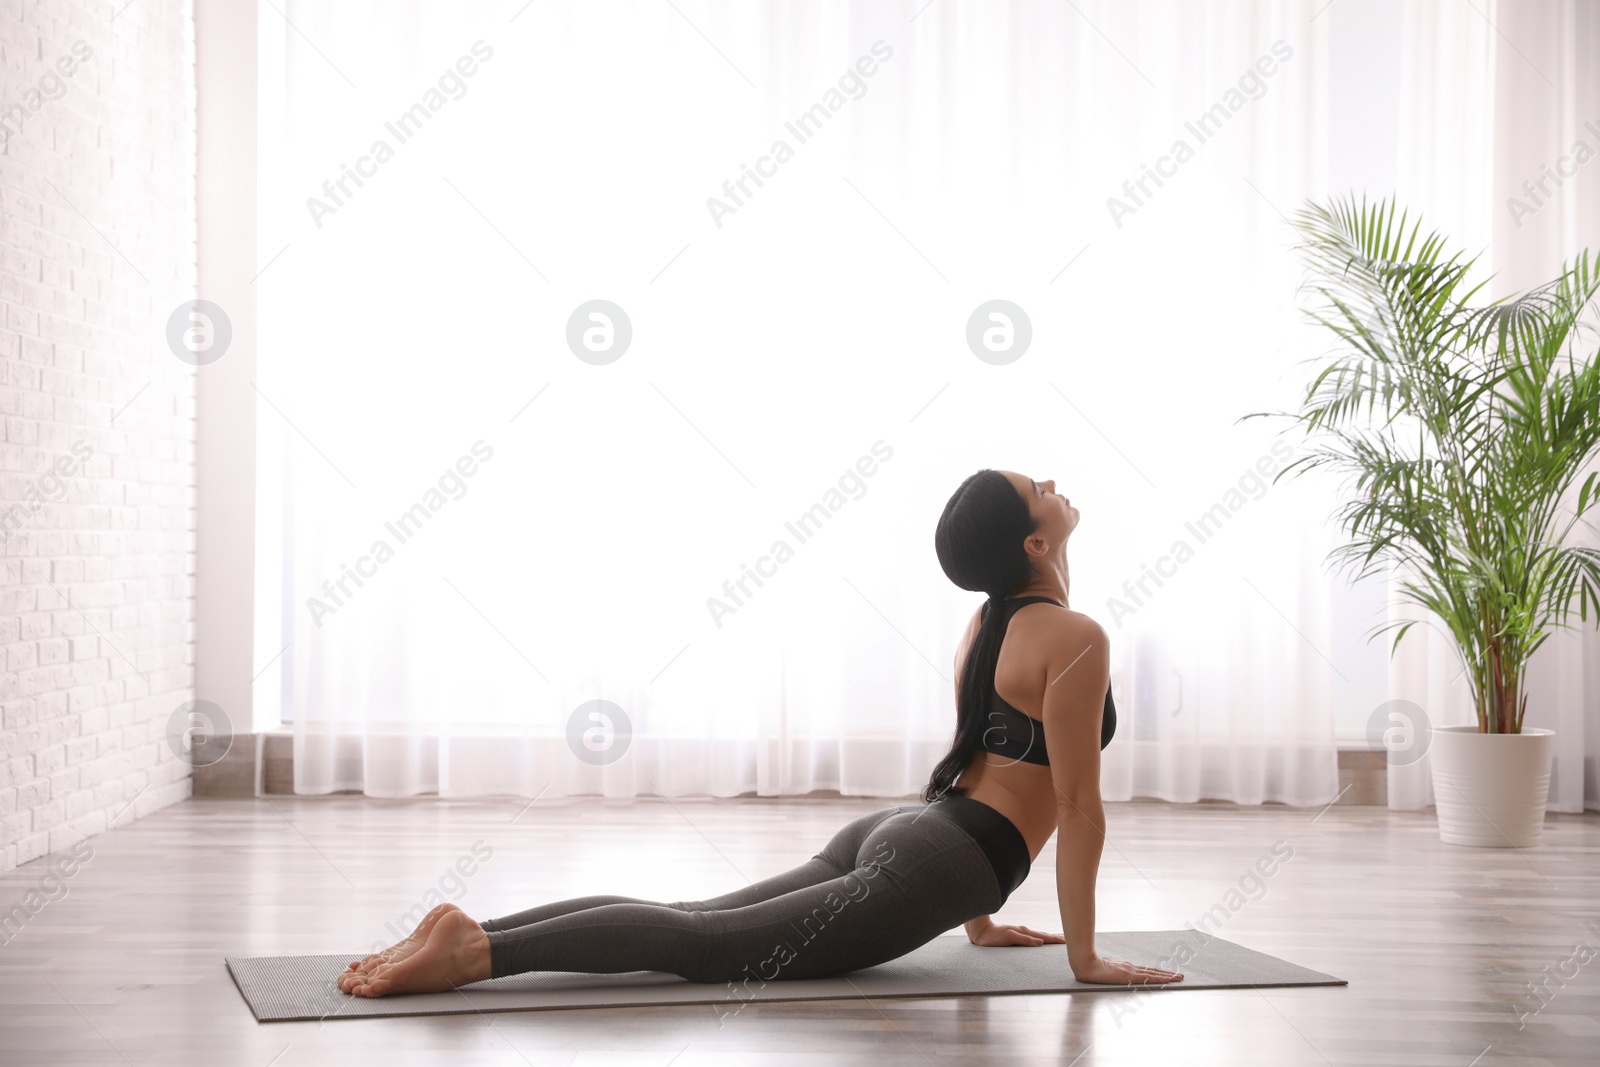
pixel 120 958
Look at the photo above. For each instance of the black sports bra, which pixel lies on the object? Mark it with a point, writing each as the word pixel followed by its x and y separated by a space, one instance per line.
pixel 1015 734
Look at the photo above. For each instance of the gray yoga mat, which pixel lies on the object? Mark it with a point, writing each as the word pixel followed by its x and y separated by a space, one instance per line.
pixel 299 988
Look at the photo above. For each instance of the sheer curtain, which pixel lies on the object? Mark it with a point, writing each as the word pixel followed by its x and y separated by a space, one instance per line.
pixel 1513 83
pixel 504 558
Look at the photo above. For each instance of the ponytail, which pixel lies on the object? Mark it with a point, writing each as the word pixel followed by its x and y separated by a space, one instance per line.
pixel 977 676
pixel 979 543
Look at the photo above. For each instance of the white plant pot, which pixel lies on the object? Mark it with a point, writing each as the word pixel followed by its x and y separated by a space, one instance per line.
pixel 1490 789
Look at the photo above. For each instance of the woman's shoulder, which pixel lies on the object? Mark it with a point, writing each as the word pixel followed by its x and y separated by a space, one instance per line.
pixel 1054 621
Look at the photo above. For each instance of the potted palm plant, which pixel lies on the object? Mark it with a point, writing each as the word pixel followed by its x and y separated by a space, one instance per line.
pixel 1464 424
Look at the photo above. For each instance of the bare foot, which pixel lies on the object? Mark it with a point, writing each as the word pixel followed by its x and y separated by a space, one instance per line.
pixel 455 954
pixel 398 951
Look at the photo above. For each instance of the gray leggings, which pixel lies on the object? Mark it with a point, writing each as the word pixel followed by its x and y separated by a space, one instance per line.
pixel 887 883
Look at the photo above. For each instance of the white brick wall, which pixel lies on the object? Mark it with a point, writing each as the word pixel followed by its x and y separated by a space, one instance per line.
pixel 97 247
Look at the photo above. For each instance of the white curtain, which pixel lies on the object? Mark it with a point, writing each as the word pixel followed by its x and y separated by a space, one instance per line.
pixel 1494 97
pixel 799 347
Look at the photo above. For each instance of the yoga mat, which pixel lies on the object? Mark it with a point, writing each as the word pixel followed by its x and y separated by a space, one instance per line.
pixel 300 988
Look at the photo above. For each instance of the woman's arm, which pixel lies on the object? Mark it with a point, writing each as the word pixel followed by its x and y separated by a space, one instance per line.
pixel 1078 678
pixel 1080 833
pixel 1078 666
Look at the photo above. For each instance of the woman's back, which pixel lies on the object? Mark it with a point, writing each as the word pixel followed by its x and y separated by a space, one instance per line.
pixel 1002 773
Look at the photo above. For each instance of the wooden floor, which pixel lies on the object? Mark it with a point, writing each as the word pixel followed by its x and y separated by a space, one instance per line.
pixel 1438 942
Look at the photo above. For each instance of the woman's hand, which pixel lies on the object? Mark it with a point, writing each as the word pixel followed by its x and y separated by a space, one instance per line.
pixel 1101 970
pixel 996 934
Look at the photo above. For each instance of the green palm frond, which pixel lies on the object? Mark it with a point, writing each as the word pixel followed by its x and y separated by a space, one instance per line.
pixel 1461 426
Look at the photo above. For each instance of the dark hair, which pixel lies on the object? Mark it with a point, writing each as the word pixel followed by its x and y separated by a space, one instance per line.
pixel 979 542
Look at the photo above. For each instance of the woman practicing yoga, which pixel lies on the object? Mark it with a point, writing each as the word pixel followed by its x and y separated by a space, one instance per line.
pixel 1032 677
